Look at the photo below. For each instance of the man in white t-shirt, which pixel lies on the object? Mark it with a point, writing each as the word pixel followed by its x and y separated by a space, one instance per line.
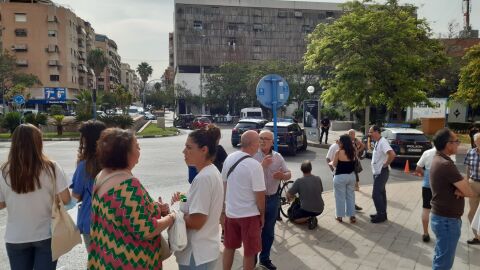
pixel 244 202
pixel 382 156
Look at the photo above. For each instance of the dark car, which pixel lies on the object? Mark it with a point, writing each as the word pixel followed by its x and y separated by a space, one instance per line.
pixel 408 143
pixel 245 125
pixel 201 122
pixel 183 120
pixel 290 137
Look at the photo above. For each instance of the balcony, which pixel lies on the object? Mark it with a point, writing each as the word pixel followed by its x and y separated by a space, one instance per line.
pixel 52 48
pixel 52 18
pixel 53 63
pixel 22 62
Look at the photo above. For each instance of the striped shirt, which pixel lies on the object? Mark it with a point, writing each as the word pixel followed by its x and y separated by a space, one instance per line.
pixel 472 160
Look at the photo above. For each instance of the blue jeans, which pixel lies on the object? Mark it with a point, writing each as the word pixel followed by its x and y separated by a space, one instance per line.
pixel 379 194
pixel 206 266
pixel 32 255
pixel 268 232
pixel 447 232
pixel 344 190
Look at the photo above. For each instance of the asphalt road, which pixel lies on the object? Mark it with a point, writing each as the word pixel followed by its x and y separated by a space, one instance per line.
pixel 162 170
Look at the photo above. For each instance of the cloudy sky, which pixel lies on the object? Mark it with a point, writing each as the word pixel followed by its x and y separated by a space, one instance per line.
pixel 140 28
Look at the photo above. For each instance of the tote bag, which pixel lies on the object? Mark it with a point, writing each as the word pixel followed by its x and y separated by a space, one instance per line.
pixel 65 235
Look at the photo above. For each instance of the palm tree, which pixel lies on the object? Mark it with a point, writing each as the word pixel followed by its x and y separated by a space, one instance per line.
pixel 97 60
pixel 145 71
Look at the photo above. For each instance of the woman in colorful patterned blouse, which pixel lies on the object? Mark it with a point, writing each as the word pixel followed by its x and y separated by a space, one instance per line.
pixel 126 222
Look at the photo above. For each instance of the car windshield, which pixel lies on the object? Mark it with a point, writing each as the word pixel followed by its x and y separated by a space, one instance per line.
pixel 246 125
pixel 412 137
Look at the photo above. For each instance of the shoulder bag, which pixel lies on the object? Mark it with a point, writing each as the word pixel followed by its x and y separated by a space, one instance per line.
pixel 65 234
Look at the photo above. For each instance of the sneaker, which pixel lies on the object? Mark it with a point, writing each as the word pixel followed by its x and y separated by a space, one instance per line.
pixel 268 264
pixel 378 219
pixel 474 241
pixel 358 208
pixel 426 238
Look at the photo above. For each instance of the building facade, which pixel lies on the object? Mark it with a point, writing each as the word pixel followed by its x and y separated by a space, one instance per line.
pixel 110 77
pixel 208 33
pixel 129 79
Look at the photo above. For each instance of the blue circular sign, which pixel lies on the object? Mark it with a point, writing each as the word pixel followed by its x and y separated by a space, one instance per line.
pixel 19 99
pixel 272 91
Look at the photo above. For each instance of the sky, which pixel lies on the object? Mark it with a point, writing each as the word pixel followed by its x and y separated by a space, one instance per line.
pixel 140 28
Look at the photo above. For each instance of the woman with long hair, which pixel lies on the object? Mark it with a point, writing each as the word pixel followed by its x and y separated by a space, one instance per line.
pixel 204 203
pixel 87 168
pixel 26 190
pixel 344 179
pixel 126 222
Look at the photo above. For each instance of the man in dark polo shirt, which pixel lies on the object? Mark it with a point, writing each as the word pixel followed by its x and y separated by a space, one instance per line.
pixel 449 188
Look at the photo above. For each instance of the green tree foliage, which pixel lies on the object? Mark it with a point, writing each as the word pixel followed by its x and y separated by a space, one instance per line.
pixel 36 119
pixel 469 87
pixel 58 122
pixel 162 97
pixel 98 61
pixel 84 105
pixel 122 98
pixel 145 71
pixel 375 55
pixel 121 121
pixel 56 110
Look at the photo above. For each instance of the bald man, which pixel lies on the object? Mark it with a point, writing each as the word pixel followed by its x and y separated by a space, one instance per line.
pixel 244 208
pixel 274 170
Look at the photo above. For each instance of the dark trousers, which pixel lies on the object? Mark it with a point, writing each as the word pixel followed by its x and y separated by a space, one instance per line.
pixel 268 232
pixel 324 131
pixel 379 194
pixel 32 255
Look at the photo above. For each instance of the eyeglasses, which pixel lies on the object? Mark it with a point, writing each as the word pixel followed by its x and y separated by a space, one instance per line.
pixel 456 141
pixel 265 139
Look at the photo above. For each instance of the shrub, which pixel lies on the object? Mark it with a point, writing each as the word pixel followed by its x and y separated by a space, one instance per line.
pixel 36 119
pixel 11 121
pixel 121 121
pixel 331 113
pixel 82 116
pixel 56 110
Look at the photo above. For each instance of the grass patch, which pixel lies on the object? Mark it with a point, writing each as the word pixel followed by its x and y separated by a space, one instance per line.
pixel 48 135
pixel 152 130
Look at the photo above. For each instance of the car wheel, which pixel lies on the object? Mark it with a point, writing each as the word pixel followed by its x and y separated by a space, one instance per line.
pixel 305 143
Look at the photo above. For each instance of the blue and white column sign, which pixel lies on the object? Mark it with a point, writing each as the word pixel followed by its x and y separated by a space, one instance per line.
pixel 273 92
pixel 55 95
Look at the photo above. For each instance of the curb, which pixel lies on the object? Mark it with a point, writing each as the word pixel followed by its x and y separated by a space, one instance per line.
pixel 318 145
pixel 76 139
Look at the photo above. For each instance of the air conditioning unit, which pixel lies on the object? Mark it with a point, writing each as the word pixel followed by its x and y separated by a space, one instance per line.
pixel 53 63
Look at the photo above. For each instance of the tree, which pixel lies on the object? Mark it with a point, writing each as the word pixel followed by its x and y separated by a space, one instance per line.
pixel 96 60
pixel 145 71
pixel 123 98
pixel 469 86
pixel 375 55
pixel 84 106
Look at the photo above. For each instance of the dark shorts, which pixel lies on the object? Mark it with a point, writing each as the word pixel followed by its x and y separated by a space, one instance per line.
pixel 246 231
pixel 300 213
pixel 427 197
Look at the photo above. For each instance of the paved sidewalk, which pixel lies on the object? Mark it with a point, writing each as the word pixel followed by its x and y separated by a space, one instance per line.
pixel 395 244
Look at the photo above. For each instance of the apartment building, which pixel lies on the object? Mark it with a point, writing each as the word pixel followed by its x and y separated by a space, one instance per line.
pixel 47 40
pixel 110 77
pixel 208 33
pixel 129 79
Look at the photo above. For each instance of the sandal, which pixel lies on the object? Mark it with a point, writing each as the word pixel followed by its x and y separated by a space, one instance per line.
pixel 353 219
pixel 339 219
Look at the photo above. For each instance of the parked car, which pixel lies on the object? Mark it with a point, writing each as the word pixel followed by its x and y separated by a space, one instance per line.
pixel 290 137
pixel 101 114
pixel 408 143
pixel 149 116
pixel 200 122
pixel 183 120
pixel 244 125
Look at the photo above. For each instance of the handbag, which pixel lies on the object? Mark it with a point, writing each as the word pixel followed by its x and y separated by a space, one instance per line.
pixel 65 234
pixel 177 233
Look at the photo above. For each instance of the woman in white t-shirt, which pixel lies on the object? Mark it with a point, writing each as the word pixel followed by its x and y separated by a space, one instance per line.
pixel 204 204
pixel 26 190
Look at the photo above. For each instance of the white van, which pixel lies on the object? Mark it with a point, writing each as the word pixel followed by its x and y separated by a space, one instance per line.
pixel 252 112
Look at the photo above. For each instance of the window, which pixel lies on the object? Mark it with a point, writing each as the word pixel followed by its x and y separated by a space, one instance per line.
pixel 22 62
pixel 52 48
pixel 21 32
pixel 298 14
pixel 282 14
pixel 257 27
pixel 53 18
pixel 257 42
pixel 101 87
pixel 54 78
pixel 232 42
pixel 20 17
pixel 232 26
pixel 52 33
pixel 197 25
pixel 257 13
pixel 329 14
pixel 306 29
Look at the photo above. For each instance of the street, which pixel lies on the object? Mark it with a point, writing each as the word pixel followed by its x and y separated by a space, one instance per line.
pixel 162 171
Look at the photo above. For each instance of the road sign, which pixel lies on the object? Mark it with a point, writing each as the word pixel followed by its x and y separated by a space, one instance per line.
pixel 272 88
pixel 273 92
pixel 19 99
